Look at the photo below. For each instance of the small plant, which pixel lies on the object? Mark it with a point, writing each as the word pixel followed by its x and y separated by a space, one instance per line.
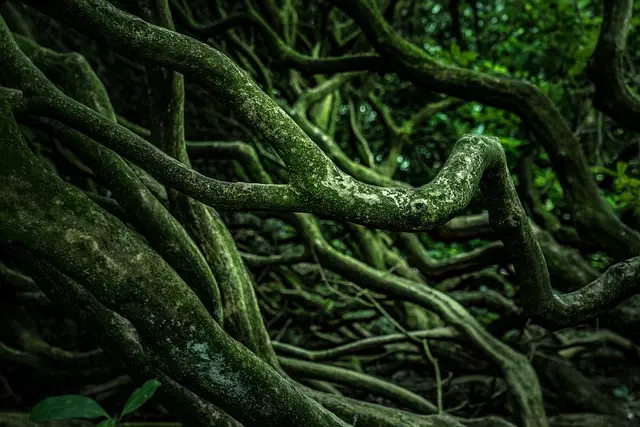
pixel 626 188
pixel 75 406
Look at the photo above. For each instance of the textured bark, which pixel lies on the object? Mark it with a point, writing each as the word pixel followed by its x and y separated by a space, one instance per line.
pixel 166 88
pixel 519 375
pixel 315 182
pixel 121 272
pixel 593 216
pixel 166 235
pixel 120 340
pixel 556 310
pixel 606 71
pixel 135 287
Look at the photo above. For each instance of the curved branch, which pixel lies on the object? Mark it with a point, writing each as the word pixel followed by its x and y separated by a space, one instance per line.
pixel 557 310
pixel 285 55
pixel 54 220
pixel 210 28
pixel 334 374
pixel 316 184
pixel 592 213
pixel 215 150
pixel 73 73
pixel 166 90
pixel 326 142
pixel 492 253
pixel 612 95
pixel 518 373
pixel 316 94
pixel 121 341
pixel 568 269
pixel 361 345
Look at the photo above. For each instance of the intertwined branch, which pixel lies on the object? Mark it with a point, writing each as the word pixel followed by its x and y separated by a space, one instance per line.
pixel 177 303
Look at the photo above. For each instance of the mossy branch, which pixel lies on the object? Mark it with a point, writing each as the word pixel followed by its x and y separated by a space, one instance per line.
pixel 606 66
pixel 124 274
pixel 593 215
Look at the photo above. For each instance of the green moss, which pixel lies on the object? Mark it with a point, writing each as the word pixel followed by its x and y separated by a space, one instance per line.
pixel 56 221
pixel 74 75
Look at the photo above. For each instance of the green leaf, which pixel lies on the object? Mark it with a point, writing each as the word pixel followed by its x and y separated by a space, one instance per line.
pixel 65 407
pixel 455 51
pixel 140 396
pixel 467 57
pixel 621 168
pixel 108 423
